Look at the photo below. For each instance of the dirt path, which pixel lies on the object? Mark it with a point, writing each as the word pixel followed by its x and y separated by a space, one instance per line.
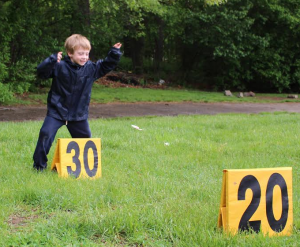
pixel 25 113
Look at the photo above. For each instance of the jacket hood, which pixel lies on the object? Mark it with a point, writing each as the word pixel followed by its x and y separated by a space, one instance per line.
pixel 67 59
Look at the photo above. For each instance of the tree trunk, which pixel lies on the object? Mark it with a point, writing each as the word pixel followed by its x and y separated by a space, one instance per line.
pixel 159 45
pixel 84 10
pixel 81 21
pixel 137 54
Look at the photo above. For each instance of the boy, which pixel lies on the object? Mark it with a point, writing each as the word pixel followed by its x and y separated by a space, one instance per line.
pixel 70 93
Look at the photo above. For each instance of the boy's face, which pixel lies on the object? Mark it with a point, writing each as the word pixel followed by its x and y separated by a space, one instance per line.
pixel 80 56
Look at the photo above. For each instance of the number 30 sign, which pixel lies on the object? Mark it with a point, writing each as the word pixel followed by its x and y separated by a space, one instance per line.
pixel 257 200
pixel 78 157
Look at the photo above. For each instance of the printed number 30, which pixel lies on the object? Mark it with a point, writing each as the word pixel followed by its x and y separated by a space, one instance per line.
pixel 250 182
pixel 74 146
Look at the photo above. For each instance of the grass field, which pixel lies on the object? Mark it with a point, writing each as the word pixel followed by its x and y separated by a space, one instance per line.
pixel 150 194
pixel 101 94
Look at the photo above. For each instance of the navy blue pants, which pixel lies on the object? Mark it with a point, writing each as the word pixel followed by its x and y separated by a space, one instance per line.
pixel 77 129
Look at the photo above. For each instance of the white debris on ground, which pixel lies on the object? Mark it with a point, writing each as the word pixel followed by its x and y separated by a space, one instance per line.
pixel 136 127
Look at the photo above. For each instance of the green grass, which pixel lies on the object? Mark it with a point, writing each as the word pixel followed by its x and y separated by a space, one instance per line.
pixel 150 194
pixel 106 95
pixel 101 94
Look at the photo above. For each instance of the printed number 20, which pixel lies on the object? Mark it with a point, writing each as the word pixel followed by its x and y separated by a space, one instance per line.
pixel 74 146
pixel 250 182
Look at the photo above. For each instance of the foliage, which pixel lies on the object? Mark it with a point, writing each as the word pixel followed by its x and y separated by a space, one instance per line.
pixel 215 44
pixel 5 93
pixel 22 75
pixel 4 42
pixel 237 44
pixel 125 64
pixel 3 72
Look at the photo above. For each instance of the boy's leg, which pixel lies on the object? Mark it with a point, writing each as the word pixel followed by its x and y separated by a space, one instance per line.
pixel 46 137
pixel 79 129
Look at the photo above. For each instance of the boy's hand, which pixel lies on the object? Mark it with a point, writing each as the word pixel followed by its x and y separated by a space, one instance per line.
pixel 118 45
pixel 59 56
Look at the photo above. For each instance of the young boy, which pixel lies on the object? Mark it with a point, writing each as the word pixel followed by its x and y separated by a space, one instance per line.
pixel 70 93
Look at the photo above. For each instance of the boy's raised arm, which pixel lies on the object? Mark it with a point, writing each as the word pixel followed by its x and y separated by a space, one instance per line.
pixel 110 62
pixel 44 69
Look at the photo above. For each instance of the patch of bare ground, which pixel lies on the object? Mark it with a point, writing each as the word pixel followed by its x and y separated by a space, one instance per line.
pixel 122 79
pixel 23 218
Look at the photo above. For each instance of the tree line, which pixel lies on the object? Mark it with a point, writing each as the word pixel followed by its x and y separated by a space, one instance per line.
pixel 213 45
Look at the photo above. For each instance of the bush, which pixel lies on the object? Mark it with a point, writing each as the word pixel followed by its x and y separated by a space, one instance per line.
pixel 125 64
pixel 3 72
pixel 5 93
pixel 22 75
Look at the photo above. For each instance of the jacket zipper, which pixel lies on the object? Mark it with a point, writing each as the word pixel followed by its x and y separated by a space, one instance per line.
pixel 73 90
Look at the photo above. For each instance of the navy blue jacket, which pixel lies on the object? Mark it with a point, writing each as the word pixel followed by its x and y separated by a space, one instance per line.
pixel 70 93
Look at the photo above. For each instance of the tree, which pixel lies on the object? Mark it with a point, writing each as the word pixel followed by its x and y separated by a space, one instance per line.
pixel 215 44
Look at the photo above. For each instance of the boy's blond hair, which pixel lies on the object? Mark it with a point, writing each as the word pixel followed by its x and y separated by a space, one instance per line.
pixel 75 41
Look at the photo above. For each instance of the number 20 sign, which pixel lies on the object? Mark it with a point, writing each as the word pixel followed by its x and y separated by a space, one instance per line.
pixel 257 200
pixel 78 157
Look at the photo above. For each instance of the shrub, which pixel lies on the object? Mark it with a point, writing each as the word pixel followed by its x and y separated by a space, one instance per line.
pixel 22 75
pixel 3 72
pixel 5 93
pixel 125 64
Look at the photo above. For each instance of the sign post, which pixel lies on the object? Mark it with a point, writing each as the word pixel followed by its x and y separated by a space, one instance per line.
pixel 257 200
pixel 78 157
